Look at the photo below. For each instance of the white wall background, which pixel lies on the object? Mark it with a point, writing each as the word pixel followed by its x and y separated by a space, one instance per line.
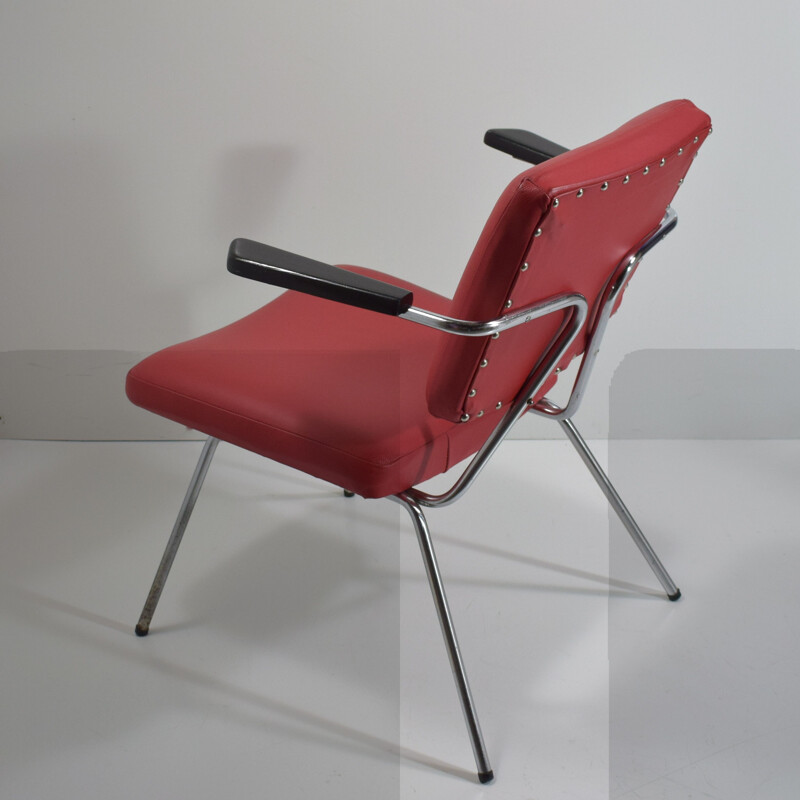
pixel 137 139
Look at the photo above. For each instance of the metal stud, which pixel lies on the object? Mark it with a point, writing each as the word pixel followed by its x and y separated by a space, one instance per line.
pixel 710 130
pixel 604 186
pixel 464 417
pixel 696 139
pixel 472 393
pixel 558 369
pixel 484 363
pixel 496 335
pixel 680 182
pixel 626 179
pixel 662 162
pixel 555 203
pixel 509 303
pixel 479 414
pixel 524 267
pixel 646 171
pixel 680 151
pixel 580 193
pixel 537 232
pixel 499 404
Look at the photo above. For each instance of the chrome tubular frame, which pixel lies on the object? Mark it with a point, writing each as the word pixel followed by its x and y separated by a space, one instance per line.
pixel 414 499
pixel 621 510
pixel 462 327
pixel 616 286
pixel 195 485
pixel 576 310
pixel 576 303
pixel 485 773
pixel 576 307
pixel 545 407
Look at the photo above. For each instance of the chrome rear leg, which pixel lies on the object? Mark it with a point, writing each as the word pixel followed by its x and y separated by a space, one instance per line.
pixel 673 593
pixel 485 773
pixel 143 626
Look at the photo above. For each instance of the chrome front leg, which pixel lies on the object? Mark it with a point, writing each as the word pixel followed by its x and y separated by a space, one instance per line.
pixel 143 626
pixel 673 593
pixel 485 773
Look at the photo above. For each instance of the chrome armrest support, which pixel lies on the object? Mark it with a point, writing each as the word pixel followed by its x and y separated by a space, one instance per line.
pixel 520 405
pixel 462 327
pixel 546 407
pixel 538 376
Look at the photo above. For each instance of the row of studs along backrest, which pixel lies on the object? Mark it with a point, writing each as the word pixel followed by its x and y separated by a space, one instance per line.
pixel 604 186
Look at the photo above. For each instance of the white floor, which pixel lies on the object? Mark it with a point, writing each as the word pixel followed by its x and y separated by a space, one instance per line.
pixel 296 653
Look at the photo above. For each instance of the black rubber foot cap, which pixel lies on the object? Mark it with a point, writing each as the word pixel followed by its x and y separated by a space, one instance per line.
pixel 348 493
pixel 676 596
pixel 485 777
pixel 141 630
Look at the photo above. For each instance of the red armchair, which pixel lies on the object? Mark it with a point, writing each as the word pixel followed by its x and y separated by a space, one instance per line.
pixel 375 385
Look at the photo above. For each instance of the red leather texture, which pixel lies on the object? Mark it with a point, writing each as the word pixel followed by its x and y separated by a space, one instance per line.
pixel 335 391
pixel 372 403
pixel 582 239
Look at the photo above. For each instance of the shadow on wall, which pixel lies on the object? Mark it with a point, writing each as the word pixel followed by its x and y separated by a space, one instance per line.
pixel 79 223
pixel 92 258
pixel 249 184
pixel 75 395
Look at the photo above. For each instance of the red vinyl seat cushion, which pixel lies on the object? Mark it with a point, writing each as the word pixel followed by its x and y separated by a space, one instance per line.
pixel 374 403
pixel 335 391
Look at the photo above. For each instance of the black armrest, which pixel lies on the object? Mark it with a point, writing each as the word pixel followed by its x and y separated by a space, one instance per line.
pixel 524 145
pixel 267 264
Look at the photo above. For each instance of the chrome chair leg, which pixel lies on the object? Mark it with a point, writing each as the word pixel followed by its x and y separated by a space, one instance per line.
pixel 143 626
pixel 485 773
pixel 673 593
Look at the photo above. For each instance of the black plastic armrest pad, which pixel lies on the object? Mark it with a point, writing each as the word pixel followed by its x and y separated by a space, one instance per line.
pixel 524 145
pixel 267 264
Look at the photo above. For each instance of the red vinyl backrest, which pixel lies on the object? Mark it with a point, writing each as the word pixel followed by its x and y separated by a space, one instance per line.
pixel 561 227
